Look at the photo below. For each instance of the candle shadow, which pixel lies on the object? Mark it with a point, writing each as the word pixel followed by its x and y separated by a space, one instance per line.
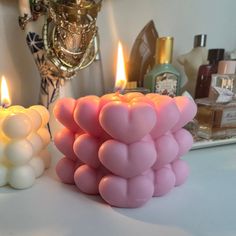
pixel 190 208
pixel 51 173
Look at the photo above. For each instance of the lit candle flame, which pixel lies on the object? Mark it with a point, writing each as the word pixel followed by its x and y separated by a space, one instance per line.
pixel 5 98
pixel 120 70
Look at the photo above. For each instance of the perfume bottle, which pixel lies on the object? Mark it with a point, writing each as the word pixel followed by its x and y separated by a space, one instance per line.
pixel 216 114
pixel 223 84
pixel 192 60
pixel 205 72
pixel 216 120
pixel 163 78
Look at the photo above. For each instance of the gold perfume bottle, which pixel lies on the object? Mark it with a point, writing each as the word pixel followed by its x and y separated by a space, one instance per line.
pixel 216 114
pixel 216 120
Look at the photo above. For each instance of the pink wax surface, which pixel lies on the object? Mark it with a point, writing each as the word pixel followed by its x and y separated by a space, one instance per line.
pixel 127 148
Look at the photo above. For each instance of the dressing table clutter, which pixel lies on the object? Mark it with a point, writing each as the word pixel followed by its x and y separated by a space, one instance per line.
pixel 217 113
pixel 126 148
pixel 213 86
pixel 24 138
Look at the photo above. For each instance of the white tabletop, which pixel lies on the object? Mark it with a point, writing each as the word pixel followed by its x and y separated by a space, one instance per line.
pixel 204 206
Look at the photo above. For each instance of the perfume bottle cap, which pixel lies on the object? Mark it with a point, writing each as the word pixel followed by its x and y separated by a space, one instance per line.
pixel 227 67
pixel 164 50
pixel 200 40
pixel 215 55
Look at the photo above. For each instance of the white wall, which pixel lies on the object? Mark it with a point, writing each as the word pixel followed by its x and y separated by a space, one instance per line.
pixel 16 62
pixel 181 19
pixel 120 19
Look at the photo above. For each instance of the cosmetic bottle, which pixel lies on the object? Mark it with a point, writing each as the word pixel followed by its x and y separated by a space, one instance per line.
pixel 223 84
pixel 216 120
pixel 216 114
pixel 163 78
pixel 191 62
pixel 205 72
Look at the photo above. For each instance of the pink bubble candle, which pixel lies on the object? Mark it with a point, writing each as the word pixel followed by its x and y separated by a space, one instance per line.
pixel 126 148
pixel 23 143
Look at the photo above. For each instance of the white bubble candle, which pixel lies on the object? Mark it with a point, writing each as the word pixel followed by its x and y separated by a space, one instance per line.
pixel 23 142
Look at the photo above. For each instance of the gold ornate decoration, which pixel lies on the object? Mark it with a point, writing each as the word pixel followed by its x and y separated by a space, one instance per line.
pixel 70 33
pixel 38 8
pixel 23 20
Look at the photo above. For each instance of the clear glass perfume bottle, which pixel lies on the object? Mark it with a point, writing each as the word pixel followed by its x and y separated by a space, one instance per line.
pixel 216 114
pixel 223 84
pixel 163 78
pixel 216 120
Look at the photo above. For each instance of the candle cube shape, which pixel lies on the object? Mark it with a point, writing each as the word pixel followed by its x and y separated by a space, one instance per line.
pixel 127 148
pixel 23 145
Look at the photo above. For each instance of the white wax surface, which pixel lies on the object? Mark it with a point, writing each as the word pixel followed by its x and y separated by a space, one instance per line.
pixel 22 140
pixel 21 177
pixel 35 118
pixel 17 125
pixel 19 152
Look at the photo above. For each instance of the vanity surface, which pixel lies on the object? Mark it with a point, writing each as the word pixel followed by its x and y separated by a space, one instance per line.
pixel 204 206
